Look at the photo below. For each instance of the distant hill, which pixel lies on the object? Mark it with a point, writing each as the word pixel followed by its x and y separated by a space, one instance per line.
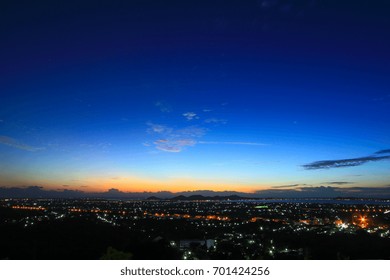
pixel 153 198
pixel 202 197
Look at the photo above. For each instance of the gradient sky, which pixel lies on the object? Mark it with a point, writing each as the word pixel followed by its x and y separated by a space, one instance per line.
pixel 188 95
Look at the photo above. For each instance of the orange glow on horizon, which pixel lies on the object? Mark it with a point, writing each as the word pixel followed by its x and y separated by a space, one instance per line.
pixel 136 184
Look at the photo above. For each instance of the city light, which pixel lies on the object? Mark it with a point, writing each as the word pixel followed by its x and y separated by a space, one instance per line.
pixel 242 225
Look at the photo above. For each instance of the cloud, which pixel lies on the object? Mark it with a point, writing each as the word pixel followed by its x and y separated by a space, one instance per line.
pixel 326 192
pixel 185 142
pixel 165 108
pixel 207 110
pixel 338 183
pixel 168 148
pixel 190 116
pixel 299 192
pixel 327 164
pixel 11 142
pixel 365 191
pixel 215 121
pixel 175 140
pixel 158 128
pixel 232 143
pixel 189 131
pixel 383 152
pixel 173 145
pixel 160 141
pixel 288 186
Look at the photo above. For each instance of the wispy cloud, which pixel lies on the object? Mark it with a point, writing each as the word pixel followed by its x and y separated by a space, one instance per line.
pixel 325 192
pixel 190 116
pixel 169 149
pixel 189 131
pixel 231 143
pixel 305 186
pixel 327 164
pixel 299 192
pixel 338 183
pixel 8 141
pixel 158 128
pixel 164 107
pixel 175 140
pixel 171 139
pixel 215 121
pixel 288 186
pixel 383 152
pixel 172 145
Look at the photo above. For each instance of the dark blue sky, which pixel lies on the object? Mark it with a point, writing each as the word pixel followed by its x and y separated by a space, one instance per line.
pixel 185 95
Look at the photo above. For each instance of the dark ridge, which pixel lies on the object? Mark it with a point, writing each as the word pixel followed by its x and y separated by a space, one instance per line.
pixel 153 198
pixel 201 197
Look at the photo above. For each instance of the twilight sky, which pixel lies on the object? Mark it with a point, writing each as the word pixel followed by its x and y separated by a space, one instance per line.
pixel 194 95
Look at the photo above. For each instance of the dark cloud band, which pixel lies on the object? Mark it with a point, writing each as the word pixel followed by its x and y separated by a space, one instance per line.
pixel 338 183
pixel 383 152
pixel 326 164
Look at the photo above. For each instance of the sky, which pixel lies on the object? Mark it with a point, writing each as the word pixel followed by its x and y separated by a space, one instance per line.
pixel 176 96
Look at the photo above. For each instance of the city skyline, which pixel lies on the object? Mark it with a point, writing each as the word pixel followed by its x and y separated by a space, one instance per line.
pixel 148 97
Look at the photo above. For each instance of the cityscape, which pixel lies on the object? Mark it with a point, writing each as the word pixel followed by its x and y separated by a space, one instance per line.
pixel 195 227
pixel 194 130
